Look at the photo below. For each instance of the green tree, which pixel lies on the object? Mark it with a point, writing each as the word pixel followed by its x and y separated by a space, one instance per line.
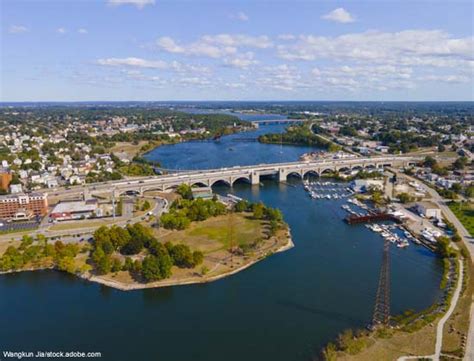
pixel 185 191
pixel 241 206
pixel 405 198
pixel 198 258
pixel 429 162
pixel 258 211
pixel 182 256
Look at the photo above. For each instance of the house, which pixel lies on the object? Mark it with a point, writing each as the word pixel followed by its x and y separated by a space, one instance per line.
pixel 15 188
pixel 428 210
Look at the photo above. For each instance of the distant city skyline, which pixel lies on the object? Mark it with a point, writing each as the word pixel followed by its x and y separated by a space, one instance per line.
pixel 152 50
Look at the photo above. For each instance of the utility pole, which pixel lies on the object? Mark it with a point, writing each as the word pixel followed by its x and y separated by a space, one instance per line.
pixel 381 314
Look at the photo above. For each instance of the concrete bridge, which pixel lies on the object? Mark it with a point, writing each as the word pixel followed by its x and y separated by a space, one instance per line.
pixel 256 123
pixel 228 176
pixel 252 174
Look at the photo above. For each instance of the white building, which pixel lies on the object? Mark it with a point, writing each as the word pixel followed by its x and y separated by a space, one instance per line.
pixel 428 210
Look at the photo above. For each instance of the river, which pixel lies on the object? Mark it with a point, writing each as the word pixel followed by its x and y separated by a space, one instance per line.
pixel 282 309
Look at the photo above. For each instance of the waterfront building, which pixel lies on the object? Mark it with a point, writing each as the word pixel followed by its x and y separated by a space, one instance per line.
pixel 428 210
pixel 23 206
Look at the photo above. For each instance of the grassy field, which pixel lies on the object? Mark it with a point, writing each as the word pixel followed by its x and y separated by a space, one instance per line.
pixel 421 342
pixel 129 148
pixel 214 234
pixel 65 226
pixel 457 326
pixel 465 213
pixel 212 238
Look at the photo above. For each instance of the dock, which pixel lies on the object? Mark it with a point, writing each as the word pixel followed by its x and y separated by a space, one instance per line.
pixel 371 218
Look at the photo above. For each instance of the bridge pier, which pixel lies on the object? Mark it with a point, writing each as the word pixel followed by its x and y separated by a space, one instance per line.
pixel 255 178
pixel 282 174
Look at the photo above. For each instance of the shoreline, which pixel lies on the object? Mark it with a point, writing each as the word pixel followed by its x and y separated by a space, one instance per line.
pixel 163 283
pixel 188 281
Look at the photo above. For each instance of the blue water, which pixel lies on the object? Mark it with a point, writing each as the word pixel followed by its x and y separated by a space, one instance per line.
pixel 282 309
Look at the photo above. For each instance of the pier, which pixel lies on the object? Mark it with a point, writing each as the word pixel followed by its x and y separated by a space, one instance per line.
pixel 371 218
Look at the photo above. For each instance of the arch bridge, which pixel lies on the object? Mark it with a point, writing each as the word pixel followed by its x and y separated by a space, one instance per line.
pixel 252 174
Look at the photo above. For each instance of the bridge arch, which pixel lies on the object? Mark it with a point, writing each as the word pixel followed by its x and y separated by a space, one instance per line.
pixel 241 180
pixel 311 172
pixel 327 170
pixel 294 174
pixel 344 169
pixel 198 184
pixel 220 182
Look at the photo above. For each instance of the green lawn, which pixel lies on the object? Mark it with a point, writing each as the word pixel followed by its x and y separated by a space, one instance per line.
pixel 245 230
pixel 465 213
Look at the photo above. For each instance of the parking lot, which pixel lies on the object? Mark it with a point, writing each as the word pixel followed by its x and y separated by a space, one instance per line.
pixel 17 226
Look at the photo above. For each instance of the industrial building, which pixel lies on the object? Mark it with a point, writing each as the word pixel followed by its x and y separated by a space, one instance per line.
pixel 66 211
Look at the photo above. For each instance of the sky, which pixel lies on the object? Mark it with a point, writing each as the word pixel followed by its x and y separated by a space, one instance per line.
pixel 119 50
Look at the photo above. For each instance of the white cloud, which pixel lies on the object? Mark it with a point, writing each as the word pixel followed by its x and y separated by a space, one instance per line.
pixel 242 61
pixel 447 78
pixel 17 29
pixel 133 62
pixel 241 16
pixel 82 31
pixel 215 46
pixel 409 47
pixel 61 30
pixel 286 37
pixel 339 15
pixel 140 4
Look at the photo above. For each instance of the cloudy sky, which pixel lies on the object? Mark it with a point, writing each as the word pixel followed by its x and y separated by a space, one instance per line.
pixel 236 50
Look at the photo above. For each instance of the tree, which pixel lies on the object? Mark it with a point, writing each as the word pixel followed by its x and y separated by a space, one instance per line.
pixel 198 258
pixel 134 246
pixel 150 269
pixel 67 264
pixel 182 256
pixel 119 237
pixel 116 265
pixel 241 206
pixel 456 187
pixel 405 198
pixel 258 210
pixel 441 148
pixel 460 163
pixel 146 206
pixel 429 162
pixel 185 191
pixel 104 265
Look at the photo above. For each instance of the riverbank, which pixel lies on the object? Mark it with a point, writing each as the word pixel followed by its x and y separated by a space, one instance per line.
pixel 252 243
pixel 212 276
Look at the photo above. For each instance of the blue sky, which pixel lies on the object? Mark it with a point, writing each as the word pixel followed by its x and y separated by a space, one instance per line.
pixel 236 50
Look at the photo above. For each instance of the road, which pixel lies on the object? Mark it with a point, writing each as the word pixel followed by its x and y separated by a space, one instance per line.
pixel 221 173
pixel 76 234
pixel 468 241
pixel 441 323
